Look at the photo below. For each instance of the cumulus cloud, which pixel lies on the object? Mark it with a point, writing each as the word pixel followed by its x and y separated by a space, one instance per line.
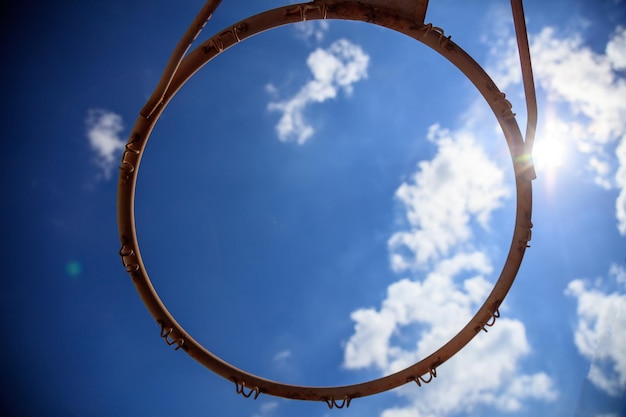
pixel 586 105
pixel 438 303
pixel 334 69
pixel 444 203
pixel 103 130
pixel 445 199
pixel 486 373
pixel 312 30
pixel 600 333
pixel 574 74
pixel 616 49
pixel 458 186
pixel 620 179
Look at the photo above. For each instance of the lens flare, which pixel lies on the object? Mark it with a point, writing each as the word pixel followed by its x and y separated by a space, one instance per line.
pixel 73 269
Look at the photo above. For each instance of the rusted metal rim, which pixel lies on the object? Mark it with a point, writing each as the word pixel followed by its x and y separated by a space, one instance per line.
pixel 339 396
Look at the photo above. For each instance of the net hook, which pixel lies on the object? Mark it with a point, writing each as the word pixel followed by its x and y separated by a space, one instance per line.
pixel 492 320
pixel 443 39
pixel 165 334
pixel 127 251
pixel 241 386
pixel 303 10
pixel 332 403
pixel 432 373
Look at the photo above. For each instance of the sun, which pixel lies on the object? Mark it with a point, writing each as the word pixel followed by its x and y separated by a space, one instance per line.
pixel 549 154
pixel 553 146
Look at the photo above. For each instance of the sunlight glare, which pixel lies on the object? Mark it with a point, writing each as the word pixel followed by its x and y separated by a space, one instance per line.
pixel 548 154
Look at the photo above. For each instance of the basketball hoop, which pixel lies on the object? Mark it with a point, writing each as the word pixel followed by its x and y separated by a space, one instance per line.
pixel 404 16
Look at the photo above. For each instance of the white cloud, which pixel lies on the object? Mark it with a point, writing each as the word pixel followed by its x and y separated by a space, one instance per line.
pixel 585 91
pixel 282 355
pixel 572 73
pixel 616 49
pixel 619 274
pixel 459 185
pixel 336 68
pixel 476 377
pixel 103 129
pixel 438 303
pixel 601 330
pixel 312 29
pixel 444 200
pixel 485 372
pixel 620 179
pixel 586 105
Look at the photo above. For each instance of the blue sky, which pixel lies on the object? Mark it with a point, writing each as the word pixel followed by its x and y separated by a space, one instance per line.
pixel 322 204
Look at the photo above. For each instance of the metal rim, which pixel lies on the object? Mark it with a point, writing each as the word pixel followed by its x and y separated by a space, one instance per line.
pixel 421 372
